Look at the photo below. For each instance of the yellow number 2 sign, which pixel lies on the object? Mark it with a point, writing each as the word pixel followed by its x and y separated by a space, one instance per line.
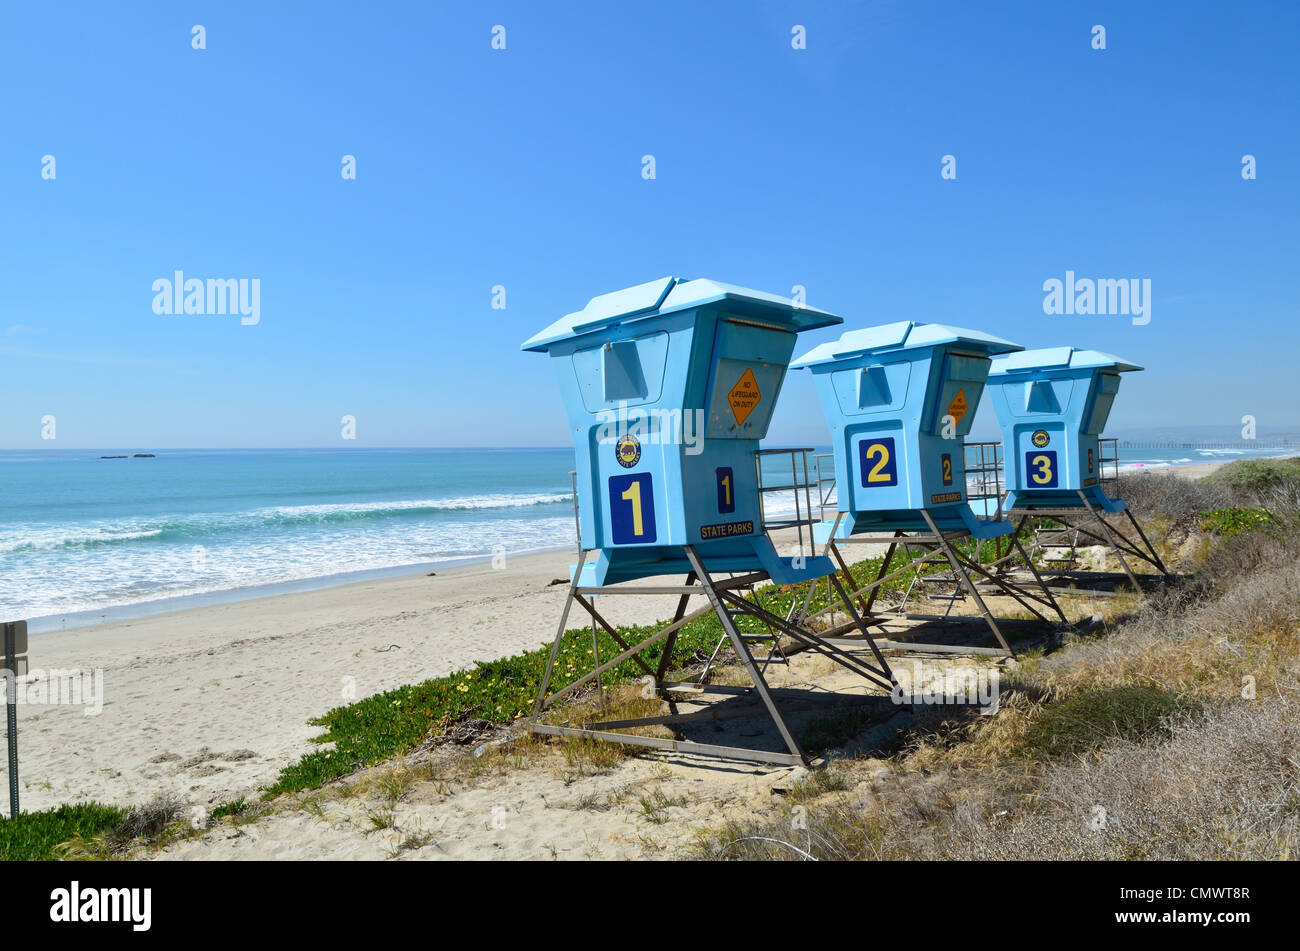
pixel 877 462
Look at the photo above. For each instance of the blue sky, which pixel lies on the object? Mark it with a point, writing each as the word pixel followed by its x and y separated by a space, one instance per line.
pixel 775 167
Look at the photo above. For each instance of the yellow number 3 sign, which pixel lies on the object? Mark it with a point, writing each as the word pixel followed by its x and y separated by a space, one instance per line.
pixel 1041 467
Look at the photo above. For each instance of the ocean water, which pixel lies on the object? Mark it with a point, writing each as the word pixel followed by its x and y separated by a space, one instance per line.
pixel 82 537
pixel 1133 459
pixel 81 534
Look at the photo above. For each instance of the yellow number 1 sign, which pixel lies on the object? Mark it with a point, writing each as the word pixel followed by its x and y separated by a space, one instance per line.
pixel 632 509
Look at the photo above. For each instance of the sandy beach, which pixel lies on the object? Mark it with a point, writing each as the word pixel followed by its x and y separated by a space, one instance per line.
pixel 211 702
pixel 1197 471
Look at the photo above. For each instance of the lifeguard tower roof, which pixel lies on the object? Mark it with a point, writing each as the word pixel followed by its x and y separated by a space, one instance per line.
pixel 901 335
pixel 1058 358
pixel 668 295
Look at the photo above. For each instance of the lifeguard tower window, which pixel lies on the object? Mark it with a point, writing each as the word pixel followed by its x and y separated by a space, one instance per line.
pixel 873 387
pixel 1041 396
pixel 879 387
pixel 627 371
pixel 622 371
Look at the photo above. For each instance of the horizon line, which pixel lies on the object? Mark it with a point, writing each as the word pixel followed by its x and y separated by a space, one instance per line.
pixel 279 448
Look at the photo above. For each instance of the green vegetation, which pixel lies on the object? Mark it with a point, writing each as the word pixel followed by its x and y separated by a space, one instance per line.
pixel 1228 522
pixel 1257 476
pixel 656 804
pixel 33 836
pixel 233 808
pixel 389 724
pixel 392 723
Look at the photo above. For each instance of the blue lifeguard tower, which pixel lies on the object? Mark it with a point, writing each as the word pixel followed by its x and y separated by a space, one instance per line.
pixel 668 387
pixel 1052 406
pixel 900 400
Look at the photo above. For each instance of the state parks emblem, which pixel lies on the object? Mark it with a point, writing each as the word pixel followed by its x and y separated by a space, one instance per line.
pixel 627 450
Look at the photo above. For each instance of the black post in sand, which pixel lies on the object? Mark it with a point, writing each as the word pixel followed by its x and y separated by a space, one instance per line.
pixel 11 704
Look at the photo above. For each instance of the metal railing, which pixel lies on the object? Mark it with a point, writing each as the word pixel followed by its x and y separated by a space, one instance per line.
pixel 1108 449
pixel 824 465
pixel 800 486
pixel 984 483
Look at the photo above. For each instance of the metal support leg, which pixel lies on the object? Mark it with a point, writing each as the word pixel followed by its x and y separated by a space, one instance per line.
pixel 880 658
pixel 1039 578
pixel 880 575
pixel 725 601
pixel 1014 548
pixel 848 575
pixel 595 653
pixel 666 658
pixel 964 579
pixel 1110 539
pixel 812 585
pixel 611 631
pixel 559 635
pixel 742 651
pixel 1151 548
